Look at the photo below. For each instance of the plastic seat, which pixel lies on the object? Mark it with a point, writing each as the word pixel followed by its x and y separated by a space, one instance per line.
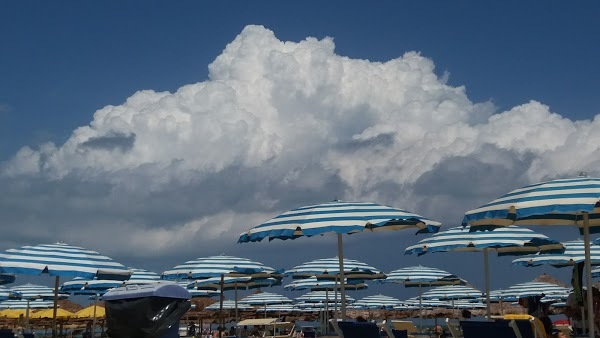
pixel 454 328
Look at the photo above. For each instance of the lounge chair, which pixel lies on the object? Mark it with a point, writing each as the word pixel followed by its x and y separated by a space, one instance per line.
pixel 454 327
pixel 404 328
pixel 348 329
pixel 528 326
pixel 499 328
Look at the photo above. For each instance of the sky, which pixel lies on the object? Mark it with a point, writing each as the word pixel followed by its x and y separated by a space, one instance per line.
pixel 156 132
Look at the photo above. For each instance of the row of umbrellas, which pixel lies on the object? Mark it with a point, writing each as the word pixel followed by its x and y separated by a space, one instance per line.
pixel 569 202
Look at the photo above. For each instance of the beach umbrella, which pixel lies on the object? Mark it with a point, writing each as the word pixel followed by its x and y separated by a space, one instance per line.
pixel 91 312
pixel 59 260
pixel 141 277
pixel 563 202
pixel 340 218
pixel 278 308
pixel 220 267
pixel 376 302
pixel 228 305
pixel 329 268
pixel 49 313
pixel 319 297
pixel 417 303
pixel 264 299
pixel 30 292
pixel 573 254
pixel 452 292
pixel 419 276
pixel 532 289
pixel 25 303
pixel 6 293
pixel 315 284
pixel 510 240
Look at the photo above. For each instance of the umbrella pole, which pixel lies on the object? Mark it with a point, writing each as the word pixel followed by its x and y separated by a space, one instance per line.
pixel 342 278
pixel 222 284
pixel 326 314
pixel 420 309
pixel 94 318
pixel 27 317
pixel 588 275
pixel 486 268
pixel 56 281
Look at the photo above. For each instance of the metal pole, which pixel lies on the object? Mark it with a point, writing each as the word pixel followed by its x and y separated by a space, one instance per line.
pixel 486 268
pixel 588 275
pixel 222 285
pixel 94 320
pixel 342 278
pixel 55 307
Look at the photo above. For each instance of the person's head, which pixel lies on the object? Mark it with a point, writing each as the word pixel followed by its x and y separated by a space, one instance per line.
pixel 559 334
pixel 466 313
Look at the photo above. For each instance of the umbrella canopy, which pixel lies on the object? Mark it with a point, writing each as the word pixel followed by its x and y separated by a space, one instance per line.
pixel 510 240
pixel 530 289
pixel 277 308
pixel 452 292
pixel 376 302
pixel 141 276
pixel 86 286
pixel 231 283
pixel 329 268
pixel 12 313
pixel 215 266
pixel 89 312
pixel 314 284
pixel 319 297
pixel 574 253
pixel 421 276
pixel 33 291
pixel 49 313
pixel 568 202
pixel 262 298
pixel 7 293
pixel 415 304
pixel 24 304
pixel 60 259
pixel 227 305
pixel 341 218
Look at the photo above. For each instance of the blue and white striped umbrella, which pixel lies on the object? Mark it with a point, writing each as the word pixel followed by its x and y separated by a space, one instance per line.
pixel 141 276
pixel 262 298
pixel 320 297
pixel 340 218
pixel 84 286
pixel 574 253
pixel 376 302
pixel 6 293
pixel 564 202
pixel 531 289
pixel 24 304
pixel 510 240
pixel 466 304
pixel 231 283
pixel 421 276
pixel 215 266
pixel 6 278
pixel 415 304
pixel 228 305
pixel 452 292
pixel 315 284
pixel 329 268
pixel 61 259
pixel 33 291
pixel 284 308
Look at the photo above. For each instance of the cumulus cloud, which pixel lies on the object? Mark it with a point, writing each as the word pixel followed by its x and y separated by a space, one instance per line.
pixel 281 124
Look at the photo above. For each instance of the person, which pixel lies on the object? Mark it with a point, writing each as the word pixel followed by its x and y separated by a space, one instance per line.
pixel 300 334
pixel 559 334
pixel 232 331
pixel 191 332
pixel 465 314
pixel 573 310
pixel 548 327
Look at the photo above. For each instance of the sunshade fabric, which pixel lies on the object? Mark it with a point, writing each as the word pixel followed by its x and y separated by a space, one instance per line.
pixel 421 276
pixel 22 304
pixel 329 268
pixel 231 283
pixel 33 291
pixel 88 312
pixel 528 289
pixel 508 240
pixel 315 284
pixel 6 293
pixel 413 303
pixel 557 202
pixel 89 286
pixel 376 302
pixel 337 217
pixel 227 305
pixel 320 297
pixel 277 308
pixel 141 276
pixel 265 298
pixel 452 292
pixel 60 259
pixel 215 266
pixel 574 253
pixel 48 313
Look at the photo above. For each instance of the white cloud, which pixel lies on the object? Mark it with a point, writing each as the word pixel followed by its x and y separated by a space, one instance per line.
pixel 280 123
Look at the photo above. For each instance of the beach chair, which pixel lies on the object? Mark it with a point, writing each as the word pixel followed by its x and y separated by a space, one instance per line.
pixel 348 329
pixel 528 326
pixel 404 328
pixel 500 328
pixel 454 327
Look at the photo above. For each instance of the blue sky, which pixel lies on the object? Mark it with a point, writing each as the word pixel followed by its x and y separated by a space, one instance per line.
pixel 477 66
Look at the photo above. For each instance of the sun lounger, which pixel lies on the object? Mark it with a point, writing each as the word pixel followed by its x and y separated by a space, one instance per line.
pixel 528 326
pixel 454 328
pixel 499 328
pixel 348 329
